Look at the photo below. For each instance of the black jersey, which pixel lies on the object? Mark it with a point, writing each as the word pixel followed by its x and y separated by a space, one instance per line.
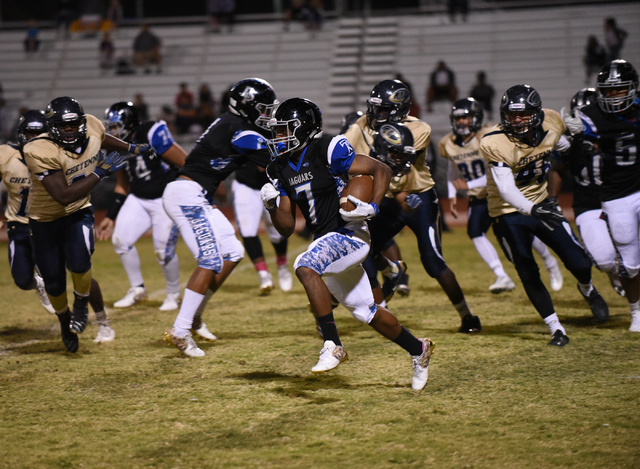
pixel 617 139
pixel 250 175
pixel 314 183
pixel 225 146
pixel 149 173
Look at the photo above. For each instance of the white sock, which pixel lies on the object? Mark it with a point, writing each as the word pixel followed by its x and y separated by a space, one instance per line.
pixel 131 263
pixel 585 288
pixel 489 255
pixel 463 309
pixel 188 308
pixel 554 324
pixel 171 271
pixel 634 306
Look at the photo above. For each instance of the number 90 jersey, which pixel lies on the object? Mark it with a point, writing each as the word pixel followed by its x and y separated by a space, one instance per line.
pixel 528 164
pixel 44 157
pixel 15 176
pixel 467 159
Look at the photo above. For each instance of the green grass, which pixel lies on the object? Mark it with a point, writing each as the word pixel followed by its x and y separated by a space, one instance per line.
pixel 499 399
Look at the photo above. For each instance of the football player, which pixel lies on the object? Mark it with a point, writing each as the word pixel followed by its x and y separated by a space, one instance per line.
pixel 306 173
pixel 517 152
pixel 612 126
pixel 467 172
pixel 411 199
pixel 249 211
pixel 66 164
pixel 233 139
pixel 136 205
pixel 587 178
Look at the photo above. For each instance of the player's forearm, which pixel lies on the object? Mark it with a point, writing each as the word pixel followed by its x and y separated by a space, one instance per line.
pixel 283 222
pixel 508 190
pixel 381 179
pixel 66 194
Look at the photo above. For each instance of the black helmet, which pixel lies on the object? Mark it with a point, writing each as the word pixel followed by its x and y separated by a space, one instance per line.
pixel 122 119
pixel 61 113
pixel 389 101
pixel 521 98
pixel 467 107
pixel 349 119
pixel 296 122
pixel 253 99
pixel 583 97
pixel 31 123
pixel 617 75
pixel 393 145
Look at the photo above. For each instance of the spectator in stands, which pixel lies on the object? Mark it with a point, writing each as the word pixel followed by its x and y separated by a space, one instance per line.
pixel 224 100
pixel 221 12
pixel 142 107
pixel 5 123
pixel 292 11
pixel 594 59
pixel 114 13
pixel 67 13
pixel 459 6
pixel 186 109
pixel 483 93
pixel 206 112
pixel 442 84
pixel 614 38
pixel 31 42
pixel 91 17
pixel 313 11
pixel 146 50
pixel 107 50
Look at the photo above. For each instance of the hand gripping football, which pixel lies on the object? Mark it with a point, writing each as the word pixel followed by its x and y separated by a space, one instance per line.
pixel 360 187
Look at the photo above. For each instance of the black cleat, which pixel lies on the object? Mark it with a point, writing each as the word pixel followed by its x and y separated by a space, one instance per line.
pixel 598 306
pixel 69 339
pixel 391 283
pixel 470 324
pixel 559 339
pixel 80 314
pixel 403 286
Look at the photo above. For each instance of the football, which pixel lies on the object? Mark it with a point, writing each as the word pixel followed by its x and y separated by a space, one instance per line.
pixel 361 187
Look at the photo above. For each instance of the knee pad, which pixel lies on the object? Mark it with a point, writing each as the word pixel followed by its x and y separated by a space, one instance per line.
pixel 364 314
pixel 119 246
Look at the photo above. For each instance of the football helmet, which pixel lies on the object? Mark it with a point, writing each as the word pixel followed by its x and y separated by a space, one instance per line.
pixel 31 123
pixel 349 119
pixel 467 107
pixel 583 97
pixel 522 99
pixel 254 100
pixel 389 101
pixel 393 145
pixel 616 86
pixel 295 123
pixel 122 119
pixel 67 122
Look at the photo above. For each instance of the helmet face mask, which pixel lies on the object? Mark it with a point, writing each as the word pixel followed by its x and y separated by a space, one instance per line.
pixel 466 117
pixel 122 120
pixel 521 111
pixel 393 145
pixel 296 122
pixel 254 100
pixel 389 101
pixel 31 124
pixel 616 86
pixel 67 123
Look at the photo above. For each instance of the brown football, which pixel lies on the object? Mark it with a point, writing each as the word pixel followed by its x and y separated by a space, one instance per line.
pixel 361 187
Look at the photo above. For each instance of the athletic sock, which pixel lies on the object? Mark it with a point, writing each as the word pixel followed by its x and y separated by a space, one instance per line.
pixel 329 330
pixel 409 342
pixel 553 323
pixel 188 308
pixel 463 309
pixel 586 288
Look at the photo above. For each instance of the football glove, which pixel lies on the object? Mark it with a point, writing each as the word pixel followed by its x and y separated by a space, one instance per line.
pixel 413 201
pixel 548 213
pixel 269 195
pixel 139 148
pixel 363 210
pixel 571 121
pixel 109 164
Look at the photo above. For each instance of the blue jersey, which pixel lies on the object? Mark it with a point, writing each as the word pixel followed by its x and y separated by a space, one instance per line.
pixel 314 183
pixel 149 173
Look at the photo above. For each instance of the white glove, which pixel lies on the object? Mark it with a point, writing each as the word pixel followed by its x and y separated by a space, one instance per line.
pixel 363 210
pixel 571 121
pixel 269 195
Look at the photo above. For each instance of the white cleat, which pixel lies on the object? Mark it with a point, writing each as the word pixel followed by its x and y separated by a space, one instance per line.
pixel 266 282
pixel 635 321
pixel 502 284
pixel 555 277
pixel 42 295
pixel 204 333
pixel 133 296
pixel 284 278
pixel 331 356
pixel 171 302
pixel 421 365
pixel 105 333
pixel 185 344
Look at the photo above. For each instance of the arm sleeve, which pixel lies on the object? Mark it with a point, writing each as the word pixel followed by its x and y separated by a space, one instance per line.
pixel 479 182
pixel 340 154
pixel 451 175
pixel 506 184
pixel 160 137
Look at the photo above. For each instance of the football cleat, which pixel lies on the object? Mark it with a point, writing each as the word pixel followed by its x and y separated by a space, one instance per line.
pixel 79 314
pixel 69 339
pixel 171 302
pixel 133 296
pixel 559 339
pixel 421 365
pixel 470 324
pixel 185 344
pixel 105 332
pixel 284 278
pixel 331 356
pixel 598 306
pixel 200 329
pixel 266 282
pixel 392 279
pixel 502 284
pixel 42 295
pixel 403 286
pixel 555 277
pixel 635 321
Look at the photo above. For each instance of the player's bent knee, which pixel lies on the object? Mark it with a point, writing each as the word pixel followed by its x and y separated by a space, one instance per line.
pixel 364 313
pixel 119 246
pixel 23 282
pixel 629 272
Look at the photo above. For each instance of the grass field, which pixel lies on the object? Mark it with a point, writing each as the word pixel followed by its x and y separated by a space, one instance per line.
pixel 500 399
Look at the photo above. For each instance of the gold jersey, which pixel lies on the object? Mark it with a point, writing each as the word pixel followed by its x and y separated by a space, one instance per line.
pixel 419 178
pixel 467 159
pixel 528 164
pixel 44 157
pixel 15 176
